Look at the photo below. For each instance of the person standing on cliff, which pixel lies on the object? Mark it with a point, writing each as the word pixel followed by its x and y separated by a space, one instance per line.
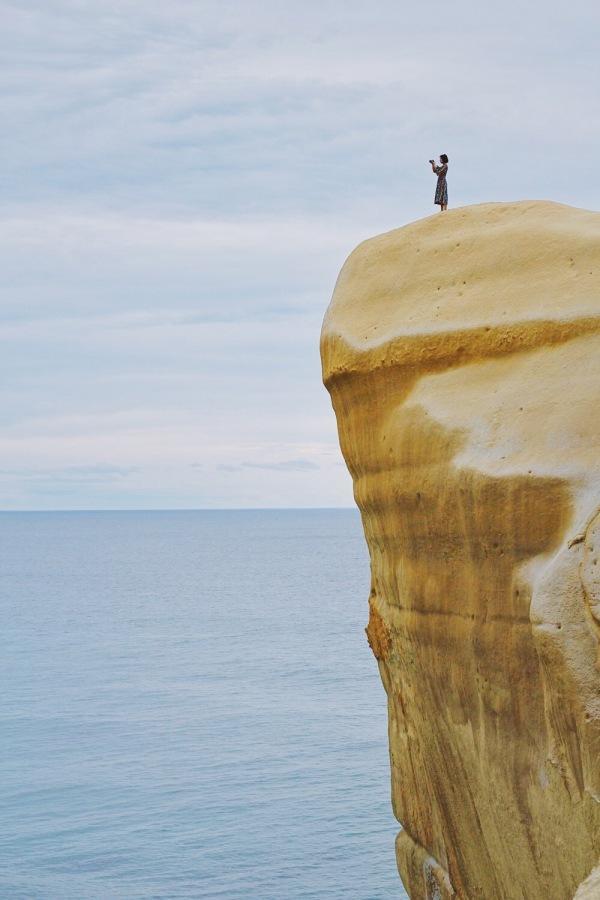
pixel 441 191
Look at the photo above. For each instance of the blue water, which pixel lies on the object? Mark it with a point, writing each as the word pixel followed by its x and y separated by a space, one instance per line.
pixel 190 708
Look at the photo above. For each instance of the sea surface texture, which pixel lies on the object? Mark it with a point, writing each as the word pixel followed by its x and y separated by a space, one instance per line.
pixel 190 708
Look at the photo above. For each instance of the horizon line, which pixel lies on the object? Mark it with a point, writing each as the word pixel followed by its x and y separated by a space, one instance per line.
pixel 186 509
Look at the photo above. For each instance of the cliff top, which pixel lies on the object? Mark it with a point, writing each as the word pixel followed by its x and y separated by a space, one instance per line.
pixel 498 267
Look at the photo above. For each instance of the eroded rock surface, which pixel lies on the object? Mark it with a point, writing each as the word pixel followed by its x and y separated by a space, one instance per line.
pixel 462 355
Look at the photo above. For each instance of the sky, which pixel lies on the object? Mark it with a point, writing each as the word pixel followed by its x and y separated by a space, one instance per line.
pixel 181 184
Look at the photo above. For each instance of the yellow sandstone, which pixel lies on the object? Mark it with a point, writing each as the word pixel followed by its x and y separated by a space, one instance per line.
pixel 462 355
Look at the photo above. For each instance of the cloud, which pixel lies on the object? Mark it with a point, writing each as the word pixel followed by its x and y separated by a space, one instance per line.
pixel 267 109
pixel 286 465
pixel 85 475
pixel 98 265
pixel 181 185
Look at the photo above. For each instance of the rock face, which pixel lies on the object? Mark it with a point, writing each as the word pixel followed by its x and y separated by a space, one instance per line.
pixel 462 355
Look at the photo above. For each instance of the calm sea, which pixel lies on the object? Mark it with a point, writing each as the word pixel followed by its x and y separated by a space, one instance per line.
pixel 190 708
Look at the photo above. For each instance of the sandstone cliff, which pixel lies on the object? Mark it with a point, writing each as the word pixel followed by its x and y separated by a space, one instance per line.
pixel 462 355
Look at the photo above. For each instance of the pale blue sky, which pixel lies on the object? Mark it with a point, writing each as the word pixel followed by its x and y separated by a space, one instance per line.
pixel 181 183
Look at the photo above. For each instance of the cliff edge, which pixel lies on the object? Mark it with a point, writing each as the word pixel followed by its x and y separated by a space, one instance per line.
pixel 462 355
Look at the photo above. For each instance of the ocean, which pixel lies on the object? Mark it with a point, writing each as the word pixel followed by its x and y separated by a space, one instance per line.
pixel 190 708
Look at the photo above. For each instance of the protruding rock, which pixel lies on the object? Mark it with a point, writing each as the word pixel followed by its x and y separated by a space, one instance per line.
pixel 462 354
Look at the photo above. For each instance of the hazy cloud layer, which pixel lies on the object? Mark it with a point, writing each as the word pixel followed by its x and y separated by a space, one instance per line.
pixel 181 184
